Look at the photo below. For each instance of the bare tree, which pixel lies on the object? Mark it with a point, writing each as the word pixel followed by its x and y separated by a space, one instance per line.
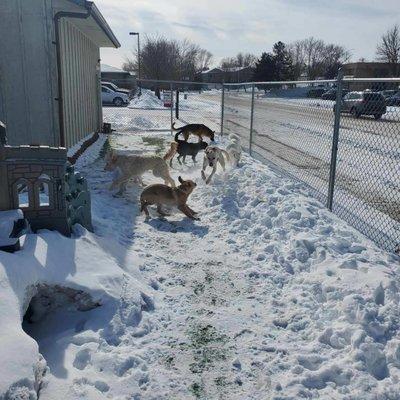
pixel 388 49
pixel 315 58
pixel 241 60
pixel 165 59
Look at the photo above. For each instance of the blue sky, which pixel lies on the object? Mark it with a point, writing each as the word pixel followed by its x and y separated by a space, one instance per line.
pixel 226 27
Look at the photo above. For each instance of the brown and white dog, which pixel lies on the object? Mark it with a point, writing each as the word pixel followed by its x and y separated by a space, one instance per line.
pixel 199 130
pixel 133 166
pixel 213 156
pixel 160 195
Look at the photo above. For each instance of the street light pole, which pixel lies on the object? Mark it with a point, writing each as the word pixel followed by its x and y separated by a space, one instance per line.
pixel 138 46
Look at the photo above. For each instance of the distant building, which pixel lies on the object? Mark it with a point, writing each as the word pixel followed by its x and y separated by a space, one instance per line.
pixel 371 70
pixel 50 70
pixel 228 75
pixel 121 78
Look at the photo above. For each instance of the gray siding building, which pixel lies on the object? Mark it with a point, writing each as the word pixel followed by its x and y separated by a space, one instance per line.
pixel 50 70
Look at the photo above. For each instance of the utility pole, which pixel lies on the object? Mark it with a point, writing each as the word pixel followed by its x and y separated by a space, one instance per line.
pixel 138 46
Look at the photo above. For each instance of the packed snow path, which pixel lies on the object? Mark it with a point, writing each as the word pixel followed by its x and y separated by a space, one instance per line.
pixel 269 296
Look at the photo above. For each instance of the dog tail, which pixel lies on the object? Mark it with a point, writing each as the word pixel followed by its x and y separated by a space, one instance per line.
pixel 235 138
pixel 177 135
pixel 175 129
pixel 171 152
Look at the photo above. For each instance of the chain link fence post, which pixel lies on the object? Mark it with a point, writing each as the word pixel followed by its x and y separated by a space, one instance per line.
pixel 172 105
pixel 335 139
pixel 222 109
pixel 251 119
pixel 177 104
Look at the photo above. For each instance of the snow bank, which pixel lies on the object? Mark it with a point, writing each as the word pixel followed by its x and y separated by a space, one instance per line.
pixel 50 259
pixel 147 100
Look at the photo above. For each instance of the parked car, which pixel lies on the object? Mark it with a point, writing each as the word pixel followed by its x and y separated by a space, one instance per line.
pixel 388 93
pixel 393 100
pixel 316 92
pixel 115 88
pixel 109 96
pixel 363 103
pixel 331 94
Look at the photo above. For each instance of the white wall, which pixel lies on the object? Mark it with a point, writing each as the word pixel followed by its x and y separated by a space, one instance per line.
pixel 81 83
pixel 28 86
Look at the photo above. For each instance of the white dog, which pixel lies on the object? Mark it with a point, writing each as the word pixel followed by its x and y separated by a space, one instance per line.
pixel 234 150
pixel 213 156
pixel 132 166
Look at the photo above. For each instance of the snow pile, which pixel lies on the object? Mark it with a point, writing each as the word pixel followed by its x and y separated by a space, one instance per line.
pixel 147 100
pixel 269 296
pixel 53 261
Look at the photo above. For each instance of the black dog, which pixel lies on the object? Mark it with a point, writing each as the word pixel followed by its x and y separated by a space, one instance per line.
pixel 184 149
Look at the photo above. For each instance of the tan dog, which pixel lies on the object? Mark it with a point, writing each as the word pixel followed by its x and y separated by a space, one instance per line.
pixel 171 153
pixel 132 166
pixel 199 130
pixel 164 195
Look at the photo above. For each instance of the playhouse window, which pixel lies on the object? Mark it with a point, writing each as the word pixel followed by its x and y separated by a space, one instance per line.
pixel 44 199
pixel 23 195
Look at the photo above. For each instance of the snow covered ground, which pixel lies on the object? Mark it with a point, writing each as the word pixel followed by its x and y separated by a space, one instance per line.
pixel 268 296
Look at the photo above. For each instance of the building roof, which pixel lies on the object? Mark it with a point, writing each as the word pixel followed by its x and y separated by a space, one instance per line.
pixel 110 68
pixel 99 19
pixel 220 70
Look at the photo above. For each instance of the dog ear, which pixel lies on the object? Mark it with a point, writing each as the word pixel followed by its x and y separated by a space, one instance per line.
pixel 180 179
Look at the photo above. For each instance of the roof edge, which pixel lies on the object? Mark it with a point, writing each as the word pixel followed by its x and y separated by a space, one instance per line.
pixel 100 20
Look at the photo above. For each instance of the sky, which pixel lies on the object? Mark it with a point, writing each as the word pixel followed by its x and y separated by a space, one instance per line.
pixel 226 27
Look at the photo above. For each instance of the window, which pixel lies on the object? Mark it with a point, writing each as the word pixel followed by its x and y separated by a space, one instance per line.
pixel 42 187
pixel 44 199
pixel 23 195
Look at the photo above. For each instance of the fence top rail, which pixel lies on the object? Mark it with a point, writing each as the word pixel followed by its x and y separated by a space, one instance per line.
pixel 349 79
pixel 280 82
pixel 179 82
pixel 345 79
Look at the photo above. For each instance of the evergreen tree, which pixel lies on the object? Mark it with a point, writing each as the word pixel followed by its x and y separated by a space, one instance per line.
pixel 284 69
pixel 275 66
pixel 265 68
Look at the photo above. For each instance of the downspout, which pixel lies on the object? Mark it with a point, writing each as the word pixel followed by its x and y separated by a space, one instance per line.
pixel 57 18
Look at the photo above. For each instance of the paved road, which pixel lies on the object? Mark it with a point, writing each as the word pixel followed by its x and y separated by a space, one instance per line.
pixel 297 136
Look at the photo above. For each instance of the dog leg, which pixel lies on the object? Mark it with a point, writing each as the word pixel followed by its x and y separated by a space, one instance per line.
pixel 187 212
pixel 161 212
pixel 203 174
pixel 194 159
pixel 191 210
pixel 179 159
pixel 184 159
pixel 169 180
pixel 212 174
pixel 222 162
pixel 144 208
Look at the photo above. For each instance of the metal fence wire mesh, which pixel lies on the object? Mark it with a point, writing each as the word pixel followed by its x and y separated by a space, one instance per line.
pixel 162 103
pixel 292 125
pixel 348 156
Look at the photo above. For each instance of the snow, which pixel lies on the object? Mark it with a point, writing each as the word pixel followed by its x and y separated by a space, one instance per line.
pixel 147 100
pixel 7 219
pixel 268 296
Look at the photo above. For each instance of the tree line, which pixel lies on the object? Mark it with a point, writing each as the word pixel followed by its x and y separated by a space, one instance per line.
pixel 165 59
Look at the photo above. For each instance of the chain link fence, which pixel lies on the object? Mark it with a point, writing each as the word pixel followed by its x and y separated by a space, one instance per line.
pixel 349 157
pixel 162 103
